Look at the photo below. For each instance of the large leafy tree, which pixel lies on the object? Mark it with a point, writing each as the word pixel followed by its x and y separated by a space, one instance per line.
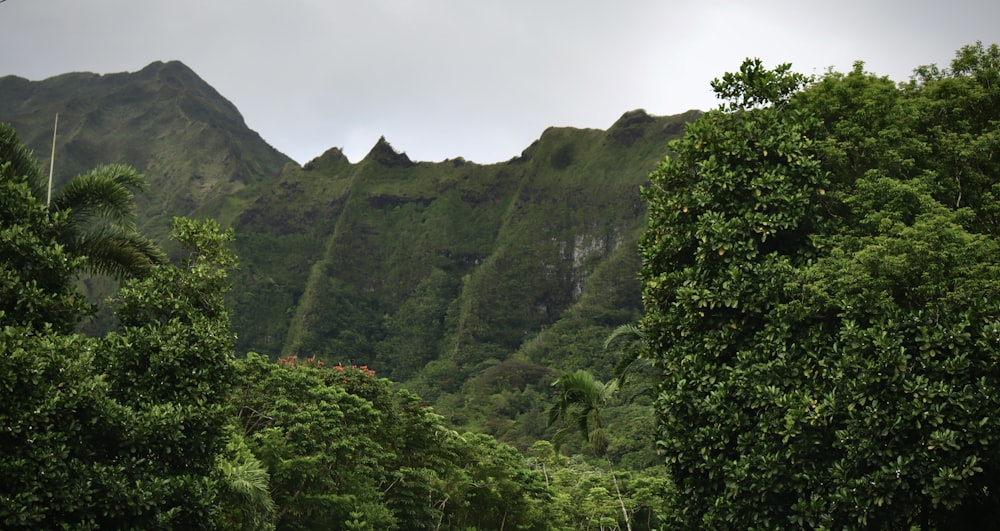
pixel 823 299
pixel 36 270
pixel 129 430
pixel 344 450
pixel 170 365
pixel 119 432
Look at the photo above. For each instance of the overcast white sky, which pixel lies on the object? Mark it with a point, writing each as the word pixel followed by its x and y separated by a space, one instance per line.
pixel 479 79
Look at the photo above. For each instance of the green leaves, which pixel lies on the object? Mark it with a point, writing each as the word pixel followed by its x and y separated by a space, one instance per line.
pixel 341 446
pixel 120 431
pixel 755 86
pixel 137 429
pixel 821 296
pixel 100 206
pixel 578 406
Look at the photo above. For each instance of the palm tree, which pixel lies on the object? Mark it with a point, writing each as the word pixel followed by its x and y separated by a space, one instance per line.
pixel 17 162
pixel 245 488
pixel 100 206
pixel 578 407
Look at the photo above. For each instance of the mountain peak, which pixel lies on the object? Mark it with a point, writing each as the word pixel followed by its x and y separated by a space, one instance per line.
pixel 174 71
pixel 173 64
pixel 630 127
pixel 191 143
pixel 383 153
pixel 635 116
pixel 331 157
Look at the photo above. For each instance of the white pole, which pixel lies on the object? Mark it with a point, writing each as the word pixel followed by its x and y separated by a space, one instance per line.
pixel 52 161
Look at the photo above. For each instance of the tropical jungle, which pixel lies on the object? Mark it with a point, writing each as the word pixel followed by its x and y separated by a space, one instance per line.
pixel 780 313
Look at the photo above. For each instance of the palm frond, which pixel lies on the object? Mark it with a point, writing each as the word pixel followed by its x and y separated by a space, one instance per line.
pixel 106 192
pixel 579 404
pixel 247 483
pixel 628 333
pixel 100 205
pixel 629 340
pixel 559 437
pixel 118 252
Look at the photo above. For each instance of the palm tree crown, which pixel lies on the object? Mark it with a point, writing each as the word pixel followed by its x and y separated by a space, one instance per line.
pixel 100 205
pixel 579 405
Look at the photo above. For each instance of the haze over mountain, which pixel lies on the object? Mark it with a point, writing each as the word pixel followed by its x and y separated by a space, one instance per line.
pixel 455 277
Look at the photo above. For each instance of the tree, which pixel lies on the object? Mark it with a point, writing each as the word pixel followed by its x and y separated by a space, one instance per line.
pixel 343 448
pixel 633 364
pixel 123 431
pixel 170 366
pixel 818 300
pixel 578 407
pixel 245 496
pixel 36 271
pixel 491 487
pixel 100 210
pixel 321 445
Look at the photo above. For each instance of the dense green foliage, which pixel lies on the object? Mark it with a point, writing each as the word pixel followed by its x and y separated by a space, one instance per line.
pixel 123 431
pixel 472 285
pixel 818 272
pixel 578 407
pixel 342 446
pixel 452 277
pixel 822 290
pixel 157 425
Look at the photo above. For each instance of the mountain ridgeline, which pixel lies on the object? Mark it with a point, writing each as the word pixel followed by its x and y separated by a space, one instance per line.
pixel 453 277
pixel 197 153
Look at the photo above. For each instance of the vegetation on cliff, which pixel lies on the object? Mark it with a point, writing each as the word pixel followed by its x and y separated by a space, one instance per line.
pixel 816 345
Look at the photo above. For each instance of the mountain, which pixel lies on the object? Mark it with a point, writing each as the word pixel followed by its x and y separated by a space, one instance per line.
pixel 471 284
pixel 199 157
pixel 453 277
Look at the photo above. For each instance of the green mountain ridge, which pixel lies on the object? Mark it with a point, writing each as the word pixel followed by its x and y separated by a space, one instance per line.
pixel 459 279
pixel 466 282
pixel 197 153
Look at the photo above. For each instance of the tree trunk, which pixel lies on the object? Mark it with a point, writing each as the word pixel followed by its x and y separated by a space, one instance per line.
pixel 618 491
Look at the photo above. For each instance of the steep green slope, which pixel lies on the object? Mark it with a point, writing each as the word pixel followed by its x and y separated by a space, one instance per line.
pixel 469 283
pixel 453 274
pixel 198 155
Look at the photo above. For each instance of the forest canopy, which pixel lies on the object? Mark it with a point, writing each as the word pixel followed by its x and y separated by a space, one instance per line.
pixel 821 281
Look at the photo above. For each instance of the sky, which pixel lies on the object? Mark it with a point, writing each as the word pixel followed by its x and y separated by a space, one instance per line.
pixel 479 79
